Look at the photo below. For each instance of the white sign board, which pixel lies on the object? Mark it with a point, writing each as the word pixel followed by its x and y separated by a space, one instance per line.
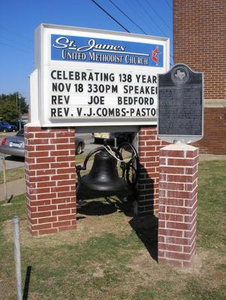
pixel 90 77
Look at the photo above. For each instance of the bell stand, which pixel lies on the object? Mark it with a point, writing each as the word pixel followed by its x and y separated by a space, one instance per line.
pixel 126 166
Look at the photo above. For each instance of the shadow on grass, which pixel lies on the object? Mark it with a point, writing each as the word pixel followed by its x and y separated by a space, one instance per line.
pixel 104 203
pixel 27 283
pixel 146 223
pixel 97 208
pixel 146 227
pixel 15 158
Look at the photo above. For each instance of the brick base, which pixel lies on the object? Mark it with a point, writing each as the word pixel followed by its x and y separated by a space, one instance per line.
pixel 177 204
pixel 50 179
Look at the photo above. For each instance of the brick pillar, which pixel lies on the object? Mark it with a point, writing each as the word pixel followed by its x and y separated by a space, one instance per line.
pixel 50 179
pixel 177 204
pixel 148 183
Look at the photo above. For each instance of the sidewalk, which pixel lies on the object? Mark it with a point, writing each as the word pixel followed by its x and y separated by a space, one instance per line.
pixel 17 187
pixel 209 157
pixel 14 188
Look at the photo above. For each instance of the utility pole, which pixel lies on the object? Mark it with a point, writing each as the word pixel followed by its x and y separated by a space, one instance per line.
pixel 18 107
pixel 19 111
pixel 16 101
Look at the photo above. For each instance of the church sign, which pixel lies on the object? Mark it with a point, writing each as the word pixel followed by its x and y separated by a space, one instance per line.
pixel 87 77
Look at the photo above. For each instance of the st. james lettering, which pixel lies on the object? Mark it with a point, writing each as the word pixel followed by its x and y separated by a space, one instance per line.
pixel 99 50
pixel 65 43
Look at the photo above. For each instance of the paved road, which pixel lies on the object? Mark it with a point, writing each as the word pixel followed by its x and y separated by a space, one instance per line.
pixel 16 162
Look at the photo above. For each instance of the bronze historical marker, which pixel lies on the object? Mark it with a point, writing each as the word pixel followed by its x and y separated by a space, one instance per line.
pixel 180 105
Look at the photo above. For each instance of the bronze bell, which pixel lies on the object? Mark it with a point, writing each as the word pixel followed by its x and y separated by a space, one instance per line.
pixel 104 175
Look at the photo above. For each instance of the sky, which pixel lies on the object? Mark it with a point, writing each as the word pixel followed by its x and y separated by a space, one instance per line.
pixel 20 18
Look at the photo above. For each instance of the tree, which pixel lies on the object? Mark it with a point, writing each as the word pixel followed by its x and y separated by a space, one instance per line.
pixel 11 106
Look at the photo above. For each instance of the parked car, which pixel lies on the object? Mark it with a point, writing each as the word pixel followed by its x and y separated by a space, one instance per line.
pixel 14 145
pixel 6 127
pixel 17 124
pixel 79 145
pixel 110 136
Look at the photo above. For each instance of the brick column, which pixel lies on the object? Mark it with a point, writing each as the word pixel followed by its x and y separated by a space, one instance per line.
pixel 148 183
pixel 177 204
pixel 50 179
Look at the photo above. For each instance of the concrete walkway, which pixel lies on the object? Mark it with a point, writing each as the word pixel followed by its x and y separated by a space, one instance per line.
pixel 17 187
pixel 13 188
pixel 209 157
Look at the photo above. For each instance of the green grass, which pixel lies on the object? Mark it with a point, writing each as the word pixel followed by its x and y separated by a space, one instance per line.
pixel 212 208
pixel 18 173
pixel 79 159
pixel 12 174
pixel 105 259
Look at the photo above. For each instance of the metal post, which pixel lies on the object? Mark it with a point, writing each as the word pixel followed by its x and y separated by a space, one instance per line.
pixel 19 98
pixel 16 101
pixel 4 178
pixel 17 257
pixel 115 142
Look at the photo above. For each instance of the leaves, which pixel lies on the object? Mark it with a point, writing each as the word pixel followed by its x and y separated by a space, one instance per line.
pixel 11 105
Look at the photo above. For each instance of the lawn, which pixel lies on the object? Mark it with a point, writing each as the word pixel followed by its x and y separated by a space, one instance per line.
pixel 12 174
pixel 18 173
pixel 104 258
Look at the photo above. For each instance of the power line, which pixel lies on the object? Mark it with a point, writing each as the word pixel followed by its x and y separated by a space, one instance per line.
pixel 137 11
pixel 170 6
pixel 15 33
pixel 10 40
pixel 152 8
pixel 15 48
pixel 110 15
pixel 145 10
pixel 171 56
pixel 139 14
pixel 154 23
pixel 127 16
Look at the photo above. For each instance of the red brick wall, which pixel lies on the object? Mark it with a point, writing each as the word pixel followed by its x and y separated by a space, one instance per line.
pixel 200 42
pixel 214 132
pixel 50 179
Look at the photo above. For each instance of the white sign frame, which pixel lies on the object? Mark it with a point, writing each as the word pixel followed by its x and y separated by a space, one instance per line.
pixel 40 82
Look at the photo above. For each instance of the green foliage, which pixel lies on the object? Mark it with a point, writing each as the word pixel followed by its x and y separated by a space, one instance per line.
pixel 11 105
